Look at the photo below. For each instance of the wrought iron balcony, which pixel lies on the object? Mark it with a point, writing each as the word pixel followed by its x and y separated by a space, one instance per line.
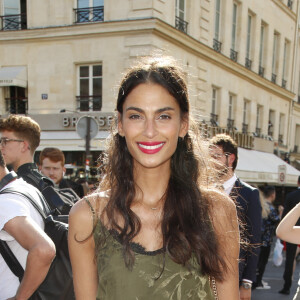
pixel 89 14
pixel 214 120
pixel 13 22
pixel 181 25
pixel 16 105
pixel 217 45
pixel 244 128
pixel 233 55
pixel 230 124
pixel 273 79
pixel 283 84
pixel 248 63
pixel 290 4
pixel 89 103
pixel 261 71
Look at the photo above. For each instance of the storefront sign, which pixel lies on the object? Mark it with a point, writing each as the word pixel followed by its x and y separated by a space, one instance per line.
pixel 103 121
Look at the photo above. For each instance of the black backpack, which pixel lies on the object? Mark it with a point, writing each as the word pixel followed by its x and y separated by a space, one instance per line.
pixel 60 201
pixel 58 284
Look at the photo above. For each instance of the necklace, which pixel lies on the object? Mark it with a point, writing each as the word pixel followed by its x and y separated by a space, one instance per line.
pixel 158 202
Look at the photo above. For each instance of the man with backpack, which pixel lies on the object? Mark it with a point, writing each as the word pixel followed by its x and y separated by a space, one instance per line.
pixel 20 138
pixel 22 229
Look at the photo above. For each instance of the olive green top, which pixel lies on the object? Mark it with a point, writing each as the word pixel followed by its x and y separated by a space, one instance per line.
pixel 145 281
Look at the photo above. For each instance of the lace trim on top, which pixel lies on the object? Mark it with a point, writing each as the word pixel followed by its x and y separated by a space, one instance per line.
pixel 136 247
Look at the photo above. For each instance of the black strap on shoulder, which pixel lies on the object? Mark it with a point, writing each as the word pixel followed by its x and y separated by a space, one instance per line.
pixel 25 194
pixel 7 179
pixel 11 260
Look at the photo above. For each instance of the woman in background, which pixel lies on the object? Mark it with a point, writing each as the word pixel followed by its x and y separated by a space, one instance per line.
pixel 156 228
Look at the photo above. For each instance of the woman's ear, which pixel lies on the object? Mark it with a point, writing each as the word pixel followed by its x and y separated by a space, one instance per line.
pixel 120 125
pixel 184 126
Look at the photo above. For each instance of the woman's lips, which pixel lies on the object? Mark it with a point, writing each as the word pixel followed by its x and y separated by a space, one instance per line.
pixel 150 147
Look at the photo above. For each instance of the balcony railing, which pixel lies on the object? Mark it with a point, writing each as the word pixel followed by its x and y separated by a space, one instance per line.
pixel 244 128
pixel 13 22
pixel 89 103
pixel 283 83
pixel 248 63
pixel 181 25
pixel 217 45
pixel 261 71
pixel 290 4
pixel 16 105
pixel 233 55
pixel 89 14
pixel 273 79
pixel 230 124
pixel 214 120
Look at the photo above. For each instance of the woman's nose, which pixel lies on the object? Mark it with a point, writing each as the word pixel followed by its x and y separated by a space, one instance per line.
pixel 150 128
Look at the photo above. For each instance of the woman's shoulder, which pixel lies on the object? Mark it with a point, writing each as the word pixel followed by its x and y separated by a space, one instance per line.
pixel 219 201
pixel 89 206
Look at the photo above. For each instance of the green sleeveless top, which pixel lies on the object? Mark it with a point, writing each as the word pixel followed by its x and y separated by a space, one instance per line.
pixel 145 281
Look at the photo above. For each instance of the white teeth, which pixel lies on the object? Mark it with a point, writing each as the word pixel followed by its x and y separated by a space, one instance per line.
pixel 151 147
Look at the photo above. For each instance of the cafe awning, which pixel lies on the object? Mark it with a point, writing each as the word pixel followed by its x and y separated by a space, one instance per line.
pixel 13 76
pixel 258 167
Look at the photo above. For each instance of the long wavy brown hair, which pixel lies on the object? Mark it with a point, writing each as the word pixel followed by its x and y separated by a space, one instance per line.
pixel 186 225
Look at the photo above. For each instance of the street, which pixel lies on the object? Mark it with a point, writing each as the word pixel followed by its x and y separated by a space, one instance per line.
pixel 273 275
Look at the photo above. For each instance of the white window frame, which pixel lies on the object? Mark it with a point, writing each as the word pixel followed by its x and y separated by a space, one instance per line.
pixel 246 112
pixel 217 19
pixel 275 52
pixel 179 12
pixel 90 78
pixel 262 44
pixel 17 10
pixel 285 53
pixel 91 3
pixel 249 33
pixel 234 26
pixel 231 107
pixel 214 100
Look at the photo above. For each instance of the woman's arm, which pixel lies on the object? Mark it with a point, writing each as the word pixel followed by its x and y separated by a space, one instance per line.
pixel 286 230
pixel 226 226
pixel 82 251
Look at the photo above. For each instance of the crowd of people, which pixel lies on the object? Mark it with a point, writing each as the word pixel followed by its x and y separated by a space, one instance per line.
pixel 170 219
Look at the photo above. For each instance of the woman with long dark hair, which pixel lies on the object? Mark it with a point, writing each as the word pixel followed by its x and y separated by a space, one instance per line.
pixel 156 228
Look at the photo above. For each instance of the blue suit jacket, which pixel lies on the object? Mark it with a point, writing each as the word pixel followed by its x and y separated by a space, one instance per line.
pixel 249 212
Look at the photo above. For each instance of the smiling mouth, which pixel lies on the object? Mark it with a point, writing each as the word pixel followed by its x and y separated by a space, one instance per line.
pixel 150 148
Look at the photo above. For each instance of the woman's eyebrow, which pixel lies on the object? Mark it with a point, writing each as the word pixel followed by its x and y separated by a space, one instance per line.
pixel 142 111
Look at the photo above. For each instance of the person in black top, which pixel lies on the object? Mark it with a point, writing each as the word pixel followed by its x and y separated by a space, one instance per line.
pixel 52 165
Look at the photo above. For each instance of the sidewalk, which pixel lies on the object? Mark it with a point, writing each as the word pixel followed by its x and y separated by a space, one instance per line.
pixel 273 275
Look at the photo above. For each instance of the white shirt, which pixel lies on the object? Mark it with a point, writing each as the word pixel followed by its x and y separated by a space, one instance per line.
pixel 228 185
pixel 12 206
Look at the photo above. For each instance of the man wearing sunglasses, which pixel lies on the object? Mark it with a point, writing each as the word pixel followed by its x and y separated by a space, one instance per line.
pixel 224 151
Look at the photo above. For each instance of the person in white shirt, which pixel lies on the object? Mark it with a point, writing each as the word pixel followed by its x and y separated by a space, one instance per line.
pixel 21 226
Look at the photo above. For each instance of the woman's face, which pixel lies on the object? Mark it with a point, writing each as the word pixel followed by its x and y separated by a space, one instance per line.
pixel 151 124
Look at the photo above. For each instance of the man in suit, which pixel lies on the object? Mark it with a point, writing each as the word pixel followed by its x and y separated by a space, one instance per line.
pixel 291 200
pixel 224 150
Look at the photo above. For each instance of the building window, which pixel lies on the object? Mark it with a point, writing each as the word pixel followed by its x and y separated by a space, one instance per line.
pixel 230 119
pixel 233 52
pixel 275 56
pixel 248 61
pixel 214 103
pixel 285 63
pixel 14 15
pixel 216 42
pixel 17 102
pixel 245 116
pixel 89 88
pixel 261 70
pixel 281 129
pixel 89 11
pixel 259 116
pixel 271 123
pixel 180 22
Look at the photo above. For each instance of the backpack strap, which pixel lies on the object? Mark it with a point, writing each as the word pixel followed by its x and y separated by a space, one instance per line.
pixel 11 260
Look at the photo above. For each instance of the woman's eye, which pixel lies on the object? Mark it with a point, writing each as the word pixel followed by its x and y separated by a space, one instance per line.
pixel 134 117
pixel 164 117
